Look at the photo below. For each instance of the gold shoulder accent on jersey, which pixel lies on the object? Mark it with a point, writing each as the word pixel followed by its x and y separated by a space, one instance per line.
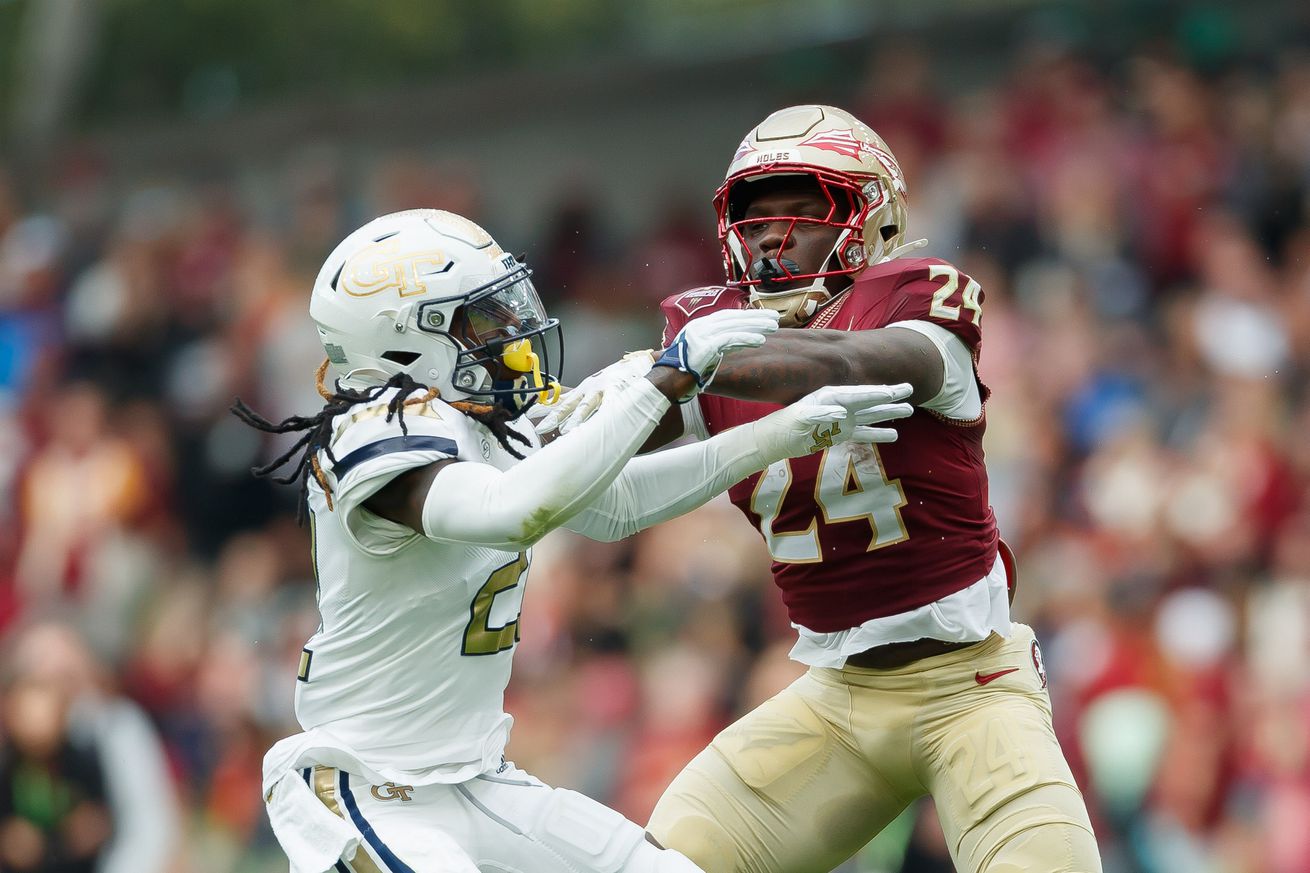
pixel 425 410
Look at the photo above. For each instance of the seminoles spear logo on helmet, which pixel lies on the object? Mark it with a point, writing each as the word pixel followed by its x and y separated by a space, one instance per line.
pixel 852 168
pixel 843 142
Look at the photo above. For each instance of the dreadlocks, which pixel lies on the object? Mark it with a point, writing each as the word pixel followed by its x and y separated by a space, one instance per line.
pixel 318 428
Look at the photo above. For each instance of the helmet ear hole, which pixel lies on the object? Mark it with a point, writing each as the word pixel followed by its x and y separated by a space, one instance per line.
pixel 400 357
pixel 888 231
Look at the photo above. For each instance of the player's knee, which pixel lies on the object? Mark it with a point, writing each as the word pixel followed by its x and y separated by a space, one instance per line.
pixel 1061 847
pixel 699 838
pixel 1045 829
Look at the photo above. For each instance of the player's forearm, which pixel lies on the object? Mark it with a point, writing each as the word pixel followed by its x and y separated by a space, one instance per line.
pixel 794 363
pixel 670 428
pixel 476 503
pixel 659 487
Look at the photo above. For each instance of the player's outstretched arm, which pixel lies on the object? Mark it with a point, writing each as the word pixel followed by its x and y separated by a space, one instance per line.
pixel 792 364
pixel 580 401
pixel 458 501
pixel 658 487
pixel 797 362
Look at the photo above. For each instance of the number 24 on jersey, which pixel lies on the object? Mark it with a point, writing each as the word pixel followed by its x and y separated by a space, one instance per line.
pixel 851 486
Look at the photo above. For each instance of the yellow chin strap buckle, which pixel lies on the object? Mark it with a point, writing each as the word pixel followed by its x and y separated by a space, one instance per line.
pixel 551 394
pixel 520 358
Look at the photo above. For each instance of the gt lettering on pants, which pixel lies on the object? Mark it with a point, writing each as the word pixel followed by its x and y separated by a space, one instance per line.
pixel 392 791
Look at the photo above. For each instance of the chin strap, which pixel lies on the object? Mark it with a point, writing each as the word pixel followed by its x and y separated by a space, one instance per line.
pixel 520 358
pixel 795 307
pixel 902 250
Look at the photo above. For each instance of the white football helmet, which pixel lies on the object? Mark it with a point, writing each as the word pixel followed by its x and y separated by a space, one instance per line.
pixel 431 294
pixel 851 166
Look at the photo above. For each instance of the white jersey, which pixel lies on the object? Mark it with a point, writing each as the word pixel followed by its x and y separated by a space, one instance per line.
pixel 405 677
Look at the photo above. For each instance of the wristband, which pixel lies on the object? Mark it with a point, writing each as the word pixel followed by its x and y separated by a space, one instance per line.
pixel 675 356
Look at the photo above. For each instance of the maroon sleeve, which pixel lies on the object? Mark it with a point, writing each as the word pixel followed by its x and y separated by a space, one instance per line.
pixel 674 319
pixel 928 289
pixel 682 308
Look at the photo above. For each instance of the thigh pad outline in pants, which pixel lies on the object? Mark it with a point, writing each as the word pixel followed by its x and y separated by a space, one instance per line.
pixel 524 825
pixel 777 791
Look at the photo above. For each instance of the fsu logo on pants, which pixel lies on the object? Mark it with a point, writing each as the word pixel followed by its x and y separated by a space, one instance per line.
pixel 1038 664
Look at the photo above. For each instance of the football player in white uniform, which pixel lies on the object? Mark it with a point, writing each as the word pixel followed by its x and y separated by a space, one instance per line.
pixel 425 492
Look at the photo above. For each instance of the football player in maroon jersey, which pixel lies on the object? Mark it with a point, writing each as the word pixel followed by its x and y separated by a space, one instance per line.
pixel 888 557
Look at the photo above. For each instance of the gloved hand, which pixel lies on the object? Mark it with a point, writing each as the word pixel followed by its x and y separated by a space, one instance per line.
pixel 830 416
pixel 698 347
pixel 579 402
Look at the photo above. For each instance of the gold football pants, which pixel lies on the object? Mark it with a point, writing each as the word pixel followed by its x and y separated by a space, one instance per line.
pixel 807 779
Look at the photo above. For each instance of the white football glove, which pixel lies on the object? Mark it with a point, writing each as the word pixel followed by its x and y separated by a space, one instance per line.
pixel 698 347
pixel 579 402
pixel 830 416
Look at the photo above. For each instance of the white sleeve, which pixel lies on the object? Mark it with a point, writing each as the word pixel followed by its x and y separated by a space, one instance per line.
pixel 959 397
pixel 371 451
pixel 476 503
pixel 693 420
pixel 664 485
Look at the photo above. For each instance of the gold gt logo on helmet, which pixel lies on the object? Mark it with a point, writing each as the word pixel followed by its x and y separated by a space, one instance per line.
pixel 383 267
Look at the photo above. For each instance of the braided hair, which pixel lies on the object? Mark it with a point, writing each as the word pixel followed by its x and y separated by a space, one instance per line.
pixel 318 428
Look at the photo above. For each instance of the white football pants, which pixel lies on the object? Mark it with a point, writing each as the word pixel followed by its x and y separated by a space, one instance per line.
pixel 501 822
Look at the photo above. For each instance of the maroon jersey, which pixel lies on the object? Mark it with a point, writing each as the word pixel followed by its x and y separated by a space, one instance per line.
pixel 862 532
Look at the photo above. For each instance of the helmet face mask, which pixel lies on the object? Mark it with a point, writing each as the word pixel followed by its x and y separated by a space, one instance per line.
pixel 430 294
pixel 507 344
pixel 854 172
pixel 839 208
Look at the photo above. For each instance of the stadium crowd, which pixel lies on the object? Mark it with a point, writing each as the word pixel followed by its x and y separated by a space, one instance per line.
pixel 1142 233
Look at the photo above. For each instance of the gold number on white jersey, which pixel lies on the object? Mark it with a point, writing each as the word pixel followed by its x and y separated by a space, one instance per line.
pixel 851 485
pixel 969 299
pixel 480 638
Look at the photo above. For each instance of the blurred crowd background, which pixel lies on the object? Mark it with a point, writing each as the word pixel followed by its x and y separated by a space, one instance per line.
pixel 1129 182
